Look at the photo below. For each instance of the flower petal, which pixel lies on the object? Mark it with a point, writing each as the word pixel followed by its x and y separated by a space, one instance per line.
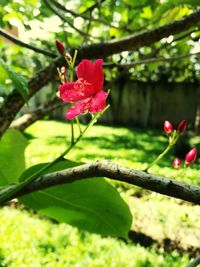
pixel 98 102
pixel 74 91
pixel 92 73
pixel 78 108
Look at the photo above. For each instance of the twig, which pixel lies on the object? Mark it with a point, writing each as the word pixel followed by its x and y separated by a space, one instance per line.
pixel 159 184
pixel 58 5
pixel 150 60
pixel 91 8
pixel 64 19
pixel 22 44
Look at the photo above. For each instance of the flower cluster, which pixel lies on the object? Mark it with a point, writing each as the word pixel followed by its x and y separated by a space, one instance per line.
pixel 173 135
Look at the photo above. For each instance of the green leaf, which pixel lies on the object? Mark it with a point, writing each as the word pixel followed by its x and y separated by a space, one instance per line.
pixel 18 80
pixel 91 204
pixel 160 11
pixel 12 160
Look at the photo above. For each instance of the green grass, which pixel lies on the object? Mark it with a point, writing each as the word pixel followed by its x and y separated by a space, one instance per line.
pixel 27 239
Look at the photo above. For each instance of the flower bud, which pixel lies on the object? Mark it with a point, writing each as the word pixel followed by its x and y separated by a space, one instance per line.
pixel 182 126
pixel 191 156
pixel 63 70
pixel 177 163
pixel 60 47
pixel 168 128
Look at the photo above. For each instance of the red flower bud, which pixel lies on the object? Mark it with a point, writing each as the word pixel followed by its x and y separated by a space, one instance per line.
pixel 60 47
pixel 182 126
pixel 168 128
pixel 177 163
pixel 191 156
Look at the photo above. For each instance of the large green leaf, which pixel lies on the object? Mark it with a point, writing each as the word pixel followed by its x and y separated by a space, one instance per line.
pixel 91 204
pixel 20 83
pixel 12 161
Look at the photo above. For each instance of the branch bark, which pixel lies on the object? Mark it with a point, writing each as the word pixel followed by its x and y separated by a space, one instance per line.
pixel 159 184
pixel 14 101
pixel 150 60
pixel 194 263
pixel 22 44
pixel 29 118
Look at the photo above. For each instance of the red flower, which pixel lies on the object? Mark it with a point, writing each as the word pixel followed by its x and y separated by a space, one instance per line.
pixel 168 128
pixel 86 92
pixel 182 126
pixel 177 163
pixel 191 156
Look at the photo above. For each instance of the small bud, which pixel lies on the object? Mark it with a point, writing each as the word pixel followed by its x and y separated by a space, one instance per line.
pixel 168 128
pixel 60 47
pixel 63 70
pixel 191 156
pixel 177 163
pixel 182 126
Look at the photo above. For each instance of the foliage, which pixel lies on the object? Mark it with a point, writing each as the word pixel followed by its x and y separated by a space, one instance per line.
pixel 44 243
pixel 108 20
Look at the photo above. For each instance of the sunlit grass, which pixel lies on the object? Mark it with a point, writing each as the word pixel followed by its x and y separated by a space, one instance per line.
pixel 31 241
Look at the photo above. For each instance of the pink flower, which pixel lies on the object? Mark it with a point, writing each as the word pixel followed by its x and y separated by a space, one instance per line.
pixel 191 156
pixel 86 92
pixel 168 128
pixel 182 126
pixel 177 163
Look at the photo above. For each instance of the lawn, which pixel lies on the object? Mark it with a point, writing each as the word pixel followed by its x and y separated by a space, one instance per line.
pixel 28 239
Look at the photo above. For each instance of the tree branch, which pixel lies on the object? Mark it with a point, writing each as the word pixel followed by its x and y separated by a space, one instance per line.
pixel 159 184
pixel 64 19
pixel 195 262
pixel 22 44
pixel 29 118
pixel 14 101
pixel 150 60
pixel 76 15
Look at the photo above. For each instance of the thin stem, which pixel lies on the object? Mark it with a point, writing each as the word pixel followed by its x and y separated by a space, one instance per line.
pixel 74 58
pixel 79 125
pixel 159 157
pixel 72 132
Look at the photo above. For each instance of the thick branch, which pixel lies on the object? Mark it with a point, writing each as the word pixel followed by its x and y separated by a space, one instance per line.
pixel 22 44
pixel 15 101
pixel 113 171
pixel 29 118
pixel 194 263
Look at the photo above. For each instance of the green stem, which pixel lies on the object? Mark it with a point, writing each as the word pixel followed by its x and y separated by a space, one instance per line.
pixel 72 132
pixel 159 157
pixel 78 123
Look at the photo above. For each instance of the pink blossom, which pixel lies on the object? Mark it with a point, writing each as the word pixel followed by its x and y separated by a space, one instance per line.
pixel 86 92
